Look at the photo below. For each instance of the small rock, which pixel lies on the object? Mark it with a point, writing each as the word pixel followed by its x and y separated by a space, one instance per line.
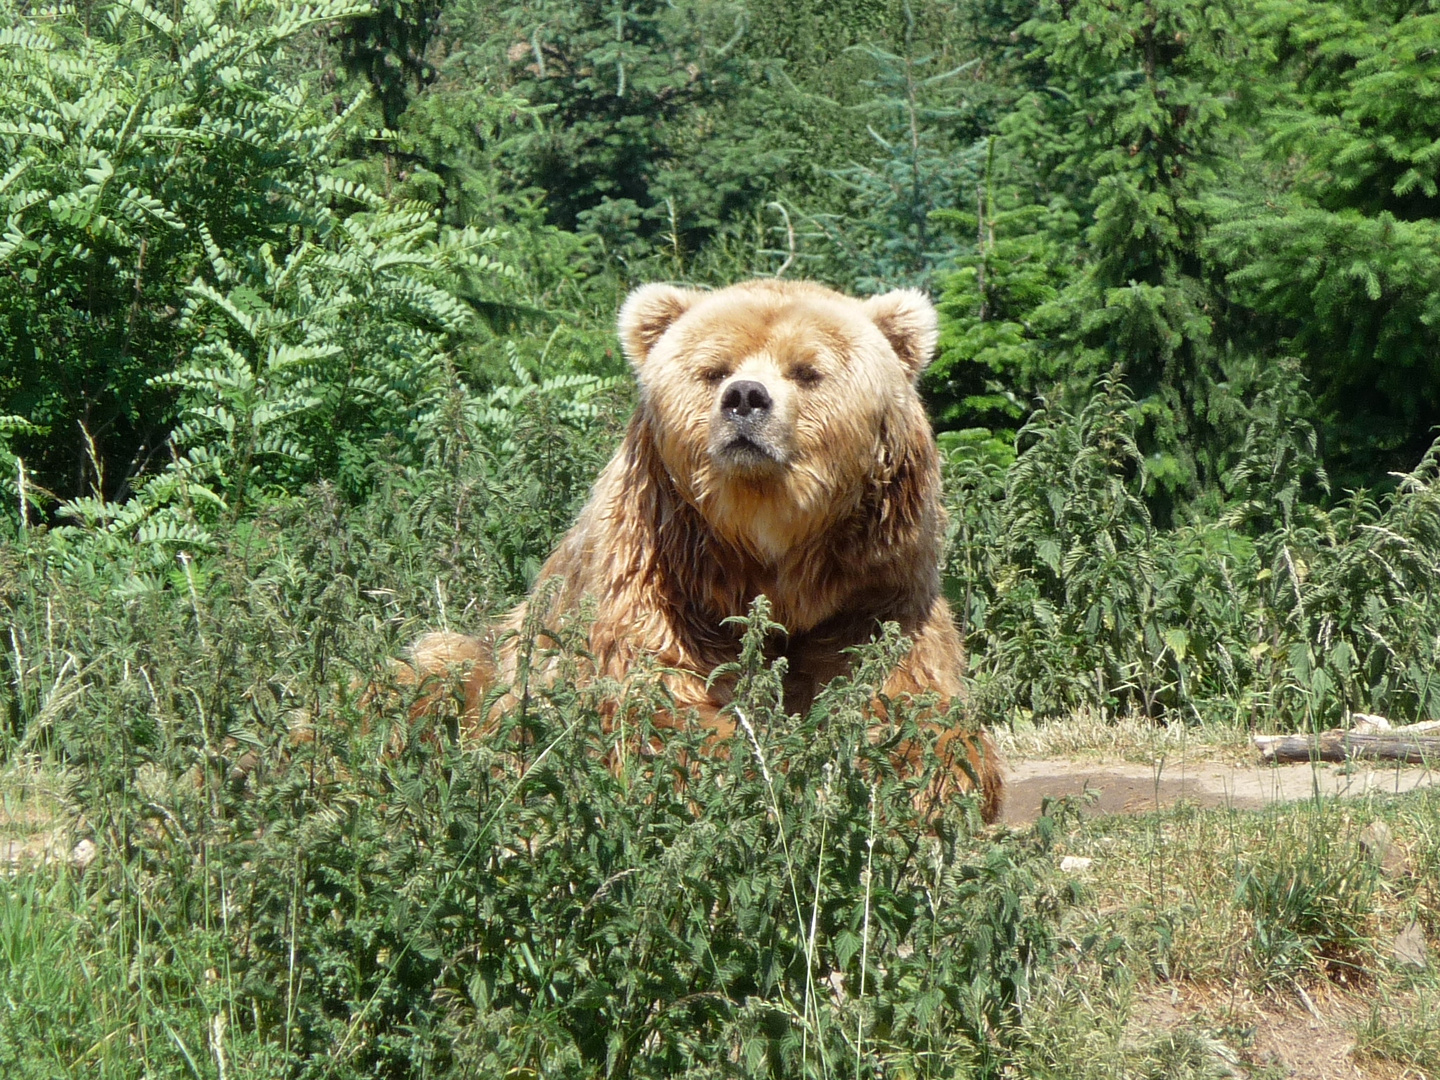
pixel 1075 864
pixel 12 856
pixel 1409 948
pixel 242 767
pixel 1375 841
pixel 83 854
pixel 1380 847
pixel 1396 865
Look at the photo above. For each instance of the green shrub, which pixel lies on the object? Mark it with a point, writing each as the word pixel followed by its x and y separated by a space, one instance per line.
pixel 141 147
pixel 357 893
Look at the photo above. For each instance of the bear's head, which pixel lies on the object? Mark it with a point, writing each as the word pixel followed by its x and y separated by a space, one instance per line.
pixel 781 410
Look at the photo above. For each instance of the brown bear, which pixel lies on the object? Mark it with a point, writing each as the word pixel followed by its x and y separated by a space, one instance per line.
pixel 779 447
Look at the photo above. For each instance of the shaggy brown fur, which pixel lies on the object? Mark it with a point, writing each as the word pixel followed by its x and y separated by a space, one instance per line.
pixel 779 447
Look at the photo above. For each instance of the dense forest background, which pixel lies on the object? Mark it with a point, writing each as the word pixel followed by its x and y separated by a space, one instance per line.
pixel 306 347
pixel 1232 207
pixel 253 252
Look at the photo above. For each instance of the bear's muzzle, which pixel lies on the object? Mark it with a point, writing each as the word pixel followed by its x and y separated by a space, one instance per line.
pixel 743 435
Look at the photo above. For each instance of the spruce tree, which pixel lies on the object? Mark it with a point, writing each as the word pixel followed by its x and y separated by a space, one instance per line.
pixel 1342 252
pixel 1091 233
pixel 633 142
pixel 885 236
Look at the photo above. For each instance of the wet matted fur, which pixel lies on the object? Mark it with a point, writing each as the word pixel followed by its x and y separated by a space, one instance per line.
pixel 779 448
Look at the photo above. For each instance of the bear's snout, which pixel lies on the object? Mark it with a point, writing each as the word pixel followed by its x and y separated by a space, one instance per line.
pixel 748 433
pixel 744 397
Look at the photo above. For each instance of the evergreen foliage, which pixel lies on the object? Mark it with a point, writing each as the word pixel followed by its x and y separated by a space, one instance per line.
pixel 1341 255
pixel 885 236
pixel 1197 193
pixel 1090 228
pixel 389 47
pixel 630 100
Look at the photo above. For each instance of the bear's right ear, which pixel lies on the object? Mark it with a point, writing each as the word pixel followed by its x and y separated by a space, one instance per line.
pixel 645 316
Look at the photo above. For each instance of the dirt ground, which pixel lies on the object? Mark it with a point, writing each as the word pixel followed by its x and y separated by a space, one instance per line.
pixel 1127 788
pixel 1305 1035
pixel 1279 1035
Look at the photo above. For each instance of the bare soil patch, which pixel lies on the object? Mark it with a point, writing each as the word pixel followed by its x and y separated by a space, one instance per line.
pixel 1124 787
pixel 1274 1035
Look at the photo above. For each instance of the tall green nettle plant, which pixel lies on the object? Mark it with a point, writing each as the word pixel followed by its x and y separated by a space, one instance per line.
pixel 1282 613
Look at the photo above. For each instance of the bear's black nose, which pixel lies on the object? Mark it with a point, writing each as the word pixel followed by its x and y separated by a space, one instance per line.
pixel 744 397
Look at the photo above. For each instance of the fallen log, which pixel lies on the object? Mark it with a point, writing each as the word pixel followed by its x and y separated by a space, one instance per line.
pixel 1393 745
pixel 1370 724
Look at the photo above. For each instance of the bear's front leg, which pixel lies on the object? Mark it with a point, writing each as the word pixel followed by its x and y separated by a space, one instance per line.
pixel 969 760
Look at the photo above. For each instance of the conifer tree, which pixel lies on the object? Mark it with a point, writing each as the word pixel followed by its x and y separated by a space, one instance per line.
pixel 1342 250
pixel 1102 168
pixel 886 236
pixel 630 96
pixel 390 48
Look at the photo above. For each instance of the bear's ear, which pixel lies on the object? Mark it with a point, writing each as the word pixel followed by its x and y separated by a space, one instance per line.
pixel 907 319
pixel 645 316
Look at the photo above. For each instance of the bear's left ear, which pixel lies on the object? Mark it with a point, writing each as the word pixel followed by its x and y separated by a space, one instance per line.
pixel 645 316
pixel 907 319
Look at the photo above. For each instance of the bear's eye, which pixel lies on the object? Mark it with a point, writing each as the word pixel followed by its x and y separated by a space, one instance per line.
pixel 714 376
pixel 805 375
